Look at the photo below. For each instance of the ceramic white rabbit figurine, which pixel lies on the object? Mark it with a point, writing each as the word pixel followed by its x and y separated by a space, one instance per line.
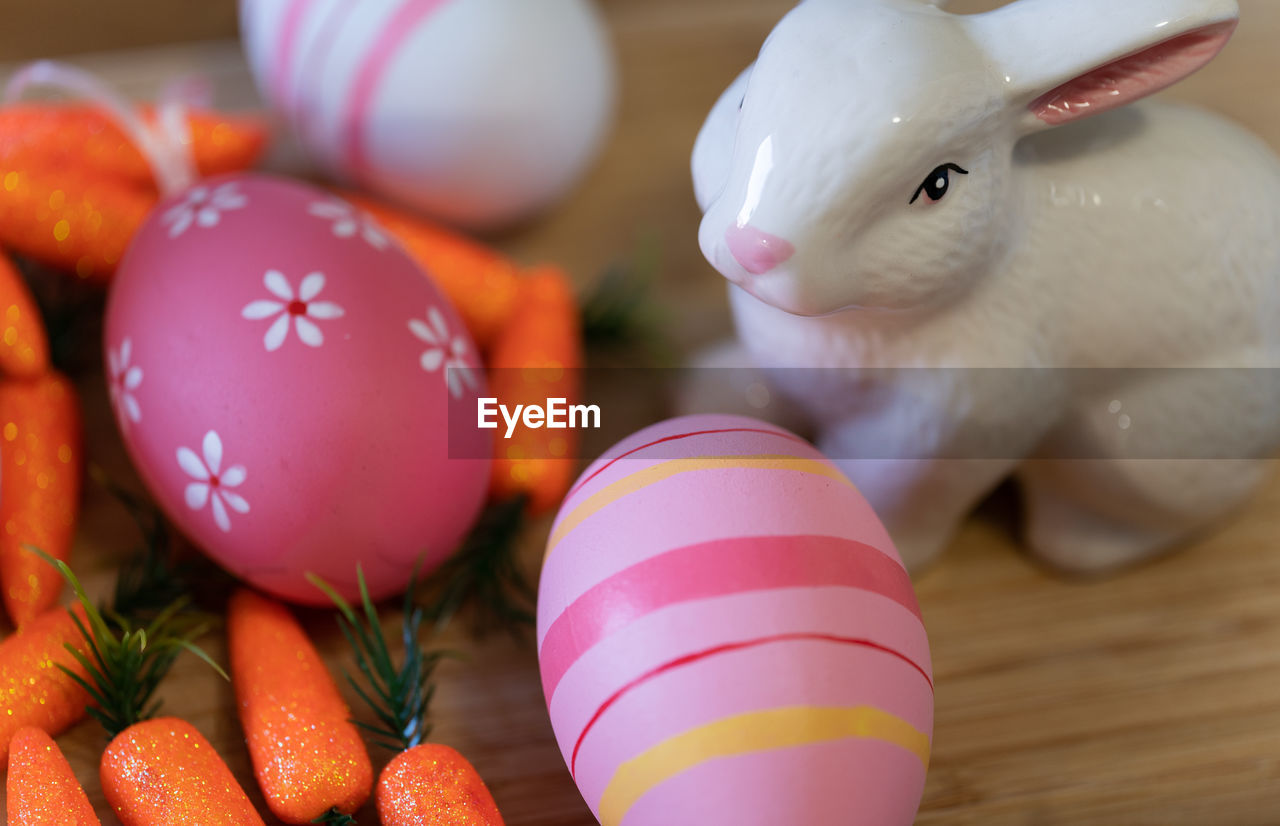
pixel 892 185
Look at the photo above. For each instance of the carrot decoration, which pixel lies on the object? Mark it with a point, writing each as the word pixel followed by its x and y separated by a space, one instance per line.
pixel 24 345
pixel 163 772
pixel 434 784
pixel 536 358
pixel 307 755
pixel 156 771
pixel 40 455
pixel 86 138
pixel 425 783
pixel 35 689
pixel 41 789
pixel 70 219
pixel 481 284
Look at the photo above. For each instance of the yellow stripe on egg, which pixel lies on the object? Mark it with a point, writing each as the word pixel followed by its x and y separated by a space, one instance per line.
pixel 665 470
pixel 753 732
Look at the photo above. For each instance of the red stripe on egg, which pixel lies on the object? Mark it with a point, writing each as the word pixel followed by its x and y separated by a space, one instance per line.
pixel 741 683
pixel 587 479
pixel 800 672
pixel 699 656
pixel 713 569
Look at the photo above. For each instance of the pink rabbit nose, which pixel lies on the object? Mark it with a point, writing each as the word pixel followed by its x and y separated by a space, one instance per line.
pixel 757 252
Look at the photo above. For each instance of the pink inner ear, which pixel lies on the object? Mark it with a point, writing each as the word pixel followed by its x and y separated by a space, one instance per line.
pixel 1133 77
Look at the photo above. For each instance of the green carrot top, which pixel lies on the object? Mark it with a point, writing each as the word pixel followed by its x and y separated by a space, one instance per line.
pixel 399 696
pixel 126 663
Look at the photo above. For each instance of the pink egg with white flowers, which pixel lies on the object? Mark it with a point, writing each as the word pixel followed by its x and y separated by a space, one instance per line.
pixel 281 372
pixel 727 635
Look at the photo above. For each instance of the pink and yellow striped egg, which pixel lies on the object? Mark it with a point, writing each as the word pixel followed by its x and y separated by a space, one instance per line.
pixel 727 635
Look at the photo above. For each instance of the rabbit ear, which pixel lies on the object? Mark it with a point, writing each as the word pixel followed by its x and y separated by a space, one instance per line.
pixel 1068 59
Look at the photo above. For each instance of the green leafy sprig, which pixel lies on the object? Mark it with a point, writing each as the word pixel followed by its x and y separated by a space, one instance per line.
pixel 151 578
pixel 485 576
pixel 125 663
pixel 399 696
pixel 619 312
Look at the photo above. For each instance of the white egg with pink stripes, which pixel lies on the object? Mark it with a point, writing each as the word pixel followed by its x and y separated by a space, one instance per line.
pixel 479 112
pixel 727 635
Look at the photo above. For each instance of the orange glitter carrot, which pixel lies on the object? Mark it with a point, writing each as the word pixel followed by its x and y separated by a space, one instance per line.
pixel 481 284
pixel 34 689
pixel 86 138
pixel 155 771
pixel 536 358
pixel 434 784
pixel 310 762
pixel 163 772
pixel 40 467
pixel 41 788
pixel 70 220
pixel 24 345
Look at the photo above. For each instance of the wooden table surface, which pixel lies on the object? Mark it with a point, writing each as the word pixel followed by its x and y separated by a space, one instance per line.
pixel 1149 698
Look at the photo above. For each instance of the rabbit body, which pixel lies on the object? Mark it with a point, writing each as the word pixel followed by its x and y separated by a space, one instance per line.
pixel 1144 237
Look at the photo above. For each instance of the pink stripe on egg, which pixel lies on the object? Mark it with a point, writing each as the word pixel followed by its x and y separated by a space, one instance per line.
pixel 746 503
pixel 384 48
pixel 305 101
pixel 290 26
pixel 712 569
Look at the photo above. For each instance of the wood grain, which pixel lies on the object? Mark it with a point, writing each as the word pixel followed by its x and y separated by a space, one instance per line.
pixel 48 28
pixel 1149 699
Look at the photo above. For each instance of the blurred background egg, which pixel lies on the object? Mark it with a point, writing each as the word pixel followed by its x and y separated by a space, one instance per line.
pixel 479 112
pixel 727 635
pixel 281 372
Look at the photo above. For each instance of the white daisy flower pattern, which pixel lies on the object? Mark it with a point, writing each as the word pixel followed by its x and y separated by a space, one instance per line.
pixel 124 380
pixel 203 207
pixel 211 485
pixel 348 222
pixel 301 309
pixel 446 351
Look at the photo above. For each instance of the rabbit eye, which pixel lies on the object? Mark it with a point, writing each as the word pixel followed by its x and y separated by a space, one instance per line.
pixel 938 183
